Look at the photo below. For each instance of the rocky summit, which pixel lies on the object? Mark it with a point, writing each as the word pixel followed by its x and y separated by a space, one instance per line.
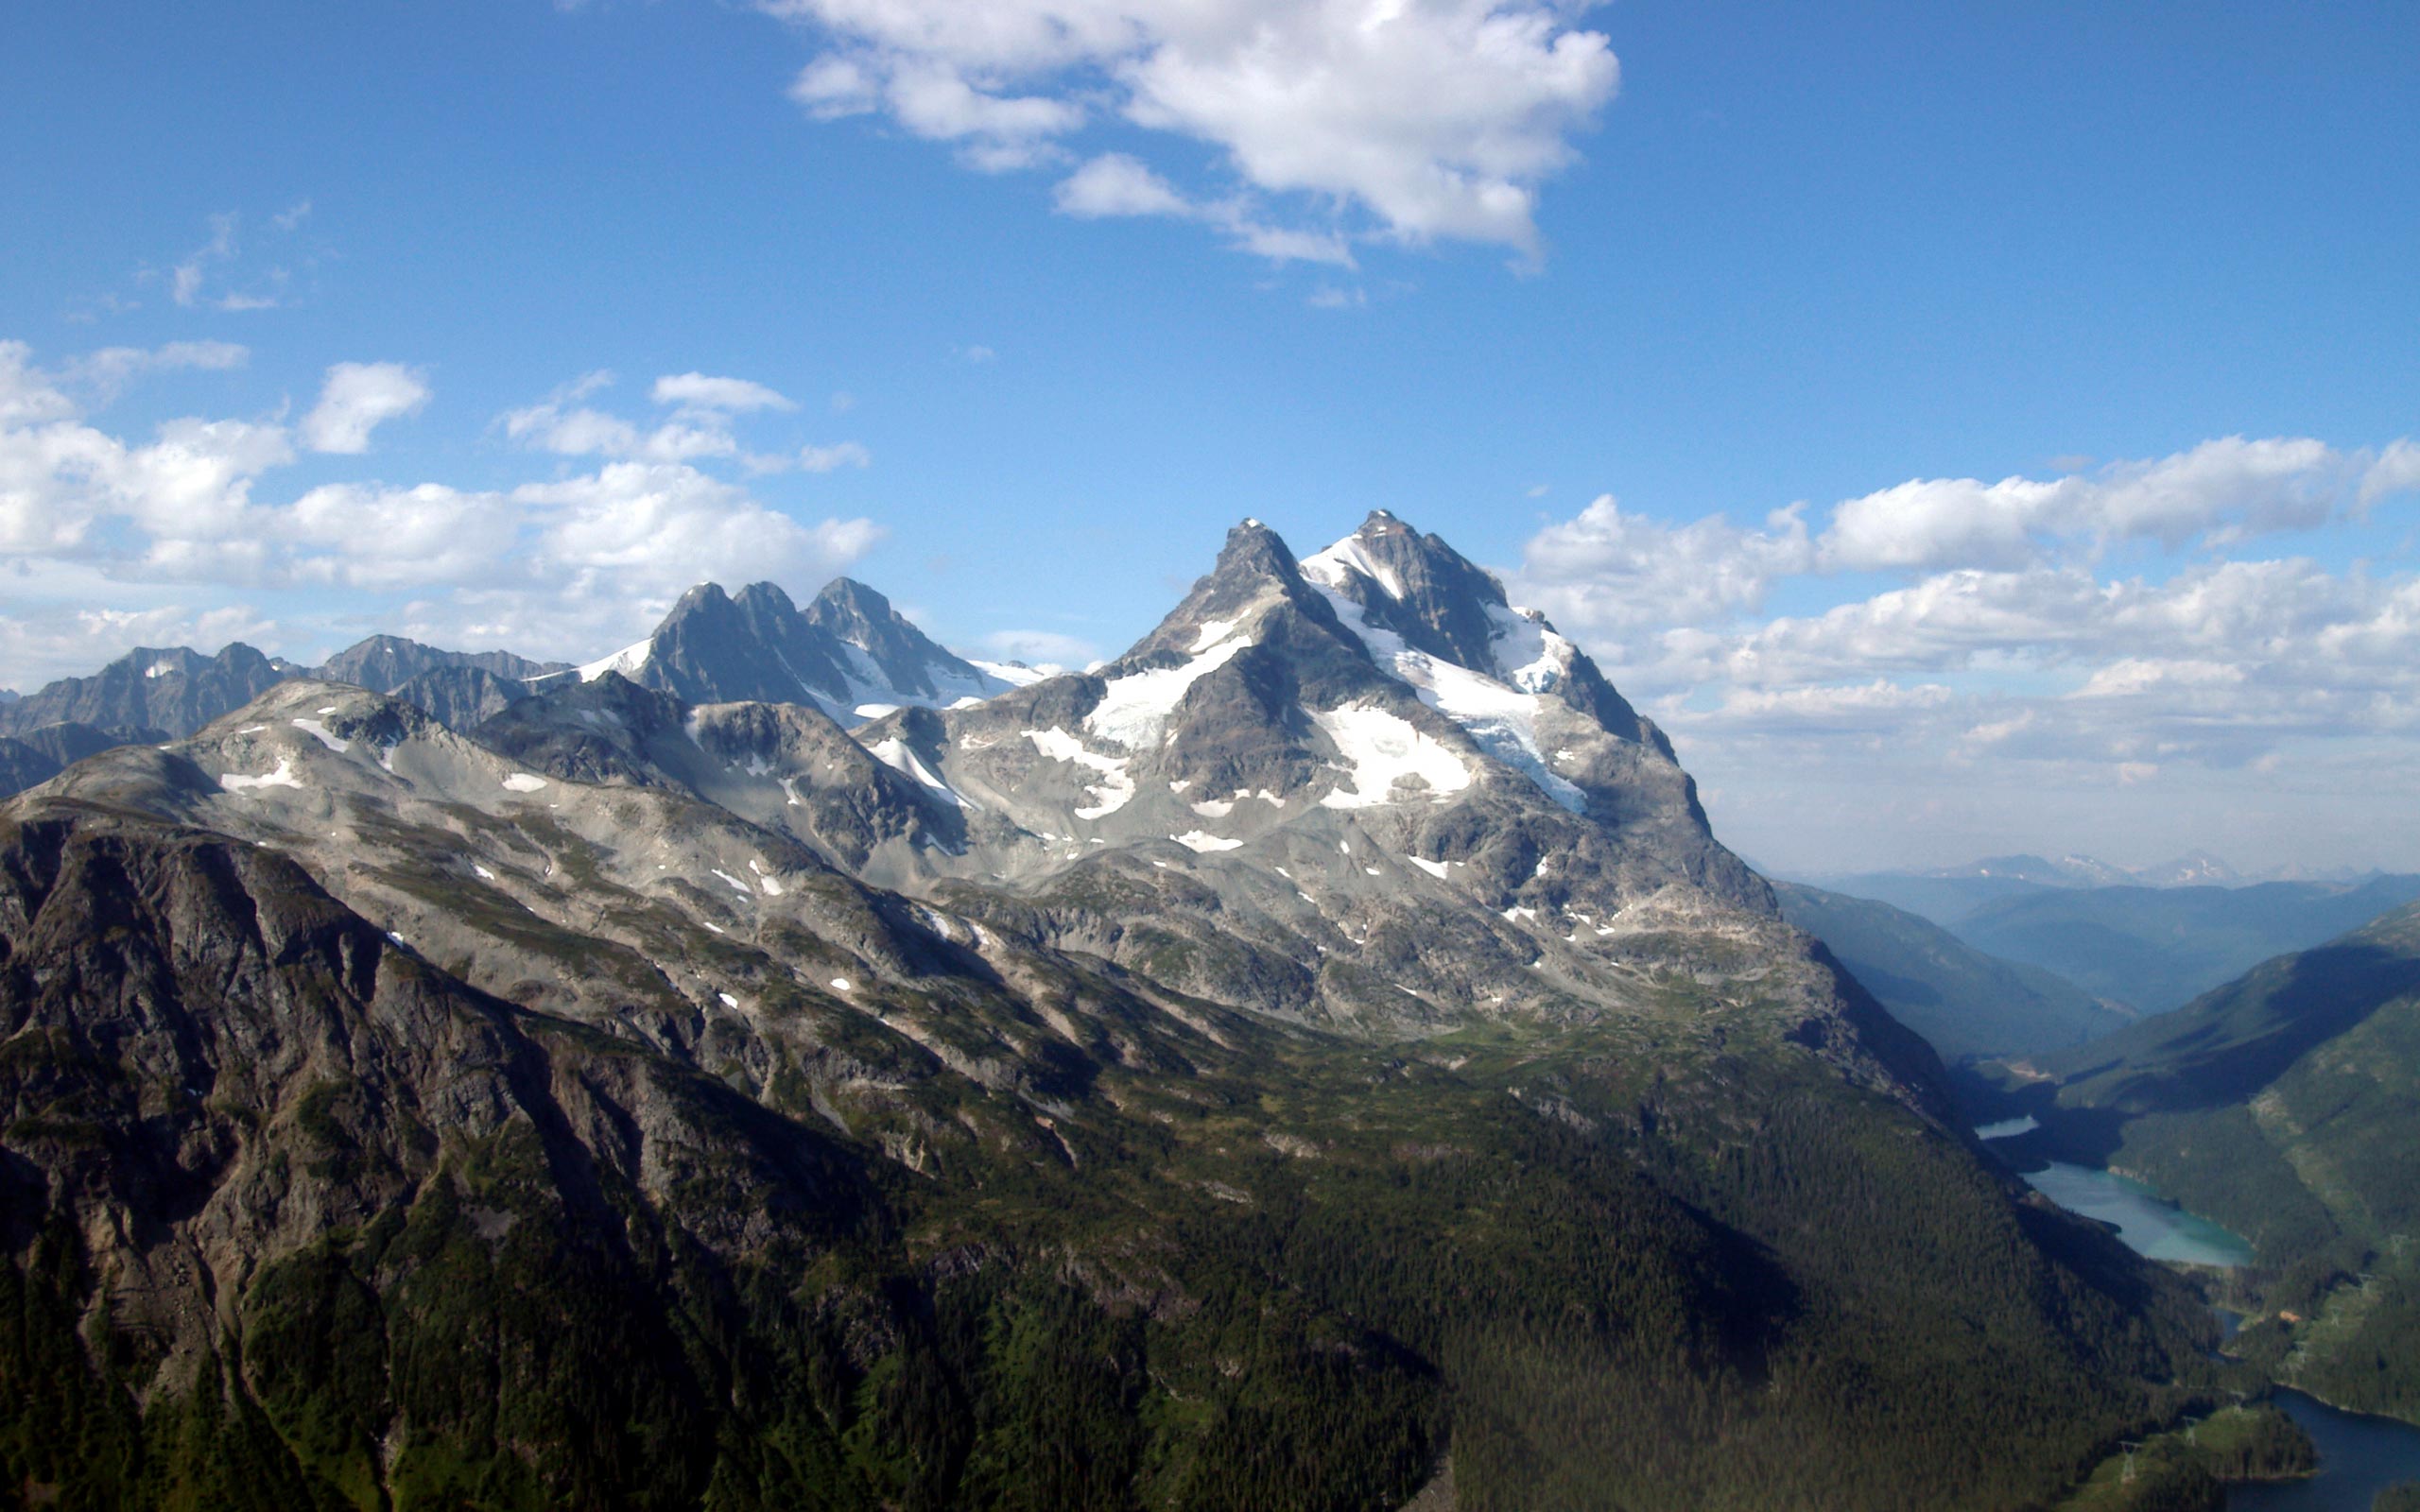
pixel 1320 1058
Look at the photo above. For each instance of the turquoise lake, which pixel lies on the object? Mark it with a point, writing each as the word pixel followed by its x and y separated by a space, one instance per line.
pixel 2147 1221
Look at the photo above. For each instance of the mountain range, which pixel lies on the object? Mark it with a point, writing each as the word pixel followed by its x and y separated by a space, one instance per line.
pixel 1321 1055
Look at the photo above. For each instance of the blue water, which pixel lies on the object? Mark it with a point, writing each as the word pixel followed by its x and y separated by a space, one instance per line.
pixel 2359 1457
pixel 2147 1222
pixel 2008 1128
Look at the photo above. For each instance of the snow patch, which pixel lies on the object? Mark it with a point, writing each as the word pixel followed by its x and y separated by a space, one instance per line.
pixel 841 984
pixel 894 754
pixel 312 727
pixel 1500 712
pixel 728 1000
pixel 1385 748
pixel 251 730
pixel 1330 568
pixel 282 777
pixel 876 710
pixel 485 875
pixel 743 889
pixel 1133 709
pixel 524 783
pixel 1214 808
pixel 1204 840
pixel 626 662
pixel 1111 793
pixel 1435 868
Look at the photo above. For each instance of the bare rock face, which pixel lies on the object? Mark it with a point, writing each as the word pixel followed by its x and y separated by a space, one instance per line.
pixel 174 690
pixel 848 653
pixel 384 664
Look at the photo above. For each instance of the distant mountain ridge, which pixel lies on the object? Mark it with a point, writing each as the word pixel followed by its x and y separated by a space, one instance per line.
pixel 848 653
pixel 1964 1002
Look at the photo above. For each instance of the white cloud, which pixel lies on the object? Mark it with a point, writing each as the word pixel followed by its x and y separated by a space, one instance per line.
pixel 1118 184
pixel 2395 471
pixel 1608 570
pixel 380 538
pixel 666 524
pixel 2225 490
pixel 61 640
pixel 358 398
pixel 1425 119
pixel 831 458
pixel 2011 663
pixel 695 391
pixel 200 279
pixel 109 371
pixel 87 517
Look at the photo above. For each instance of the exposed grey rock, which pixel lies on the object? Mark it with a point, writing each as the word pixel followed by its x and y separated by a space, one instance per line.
pixel 462 696
pixel 848 653
pixel 177 690
pixel 383 663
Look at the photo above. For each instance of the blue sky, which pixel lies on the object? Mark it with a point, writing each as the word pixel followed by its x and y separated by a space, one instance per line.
pixel 1048 302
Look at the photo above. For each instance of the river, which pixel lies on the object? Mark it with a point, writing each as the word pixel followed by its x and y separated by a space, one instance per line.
pixel 2359 1455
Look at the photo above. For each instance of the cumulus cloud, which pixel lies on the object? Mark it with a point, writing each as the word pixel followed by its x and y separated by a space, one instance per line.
pixel 2008 657
pixel 2225 491
pixel 89 516
pixel 705 410
pixel 358 398
pixel 1425 119
pixel 64 640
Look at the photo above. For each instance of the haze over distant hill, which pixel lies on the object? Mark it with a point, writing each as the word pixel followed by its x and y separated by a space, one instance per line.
pixel 2286 1105
pixel 1964 1002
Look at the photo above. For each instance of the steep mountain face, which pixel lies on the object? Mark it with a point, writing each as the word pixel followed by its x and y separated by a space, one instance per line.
pixel 1965 1003
pixel 848 653
pixel 175 689
pixel 383 663
pixel 1291 1059
pixel 2285 1105
pixel 38 755
pixel 462 696
pixel 788 768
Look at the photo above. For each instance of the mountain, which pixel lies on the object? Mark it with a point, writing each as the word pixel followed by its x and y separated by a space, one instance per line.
pixel 461 696
pixel 2157 948
pixel 38 755
pixel 2285 1105
pixel 1965 1003
pixel 849 653
pixel 2196 868
pixel 385 662
pixel 1323 1050
pixel 175 689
